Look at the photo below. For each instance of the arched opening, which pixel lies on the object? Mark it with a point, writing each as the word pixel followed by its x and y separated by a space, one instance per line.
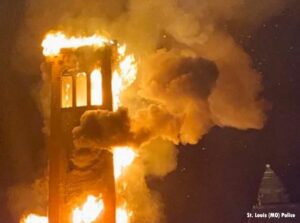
pixel 96 87
pixel 66 91
pixel 81 89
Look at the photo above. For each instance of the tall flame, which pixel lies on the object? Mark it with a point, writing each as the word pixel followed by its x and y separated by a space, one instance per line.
pixel 123 157
pixel 123 76
pixel 96 87
pixel 90 210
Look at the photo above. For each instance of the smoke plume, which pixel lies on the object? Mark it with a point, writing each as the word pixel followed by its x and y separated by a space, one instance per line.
pixel 192 75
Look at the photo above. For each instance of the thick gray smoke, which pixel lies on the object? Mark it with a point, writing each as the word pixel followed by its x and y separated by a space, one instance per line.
pixel 199 78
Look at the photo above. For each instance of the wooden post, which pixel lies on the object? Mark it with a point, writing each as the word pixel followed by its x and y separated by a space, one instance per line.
pixel 55 151
pixel 110 196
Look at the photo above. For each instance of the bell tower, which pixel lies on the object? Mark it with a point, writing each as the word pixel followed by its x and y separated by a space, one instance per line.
pixel 80 81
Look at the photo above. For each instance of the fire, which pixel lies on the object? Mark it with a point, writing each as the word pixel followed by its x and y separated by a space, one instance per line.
pixel 123 76
pixel 123 157
pixel 116 89
pixel 122 215
pixel 89 211
pixel 128 69
pixel 33 218
pixel 124 73
pixel 54 42
pixel 96 87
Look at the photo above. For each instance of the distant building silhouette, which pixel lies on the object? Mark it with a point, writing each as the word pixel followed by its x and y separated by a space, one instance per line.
pixel 273 202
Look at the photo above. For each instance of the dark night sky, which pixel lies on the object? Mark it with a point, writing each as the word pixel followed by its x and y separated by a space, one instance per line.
pixel 216 180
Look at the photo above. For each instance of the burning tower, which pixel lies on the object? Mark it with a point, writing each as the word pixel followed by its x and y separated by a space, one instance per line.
pixel 81 79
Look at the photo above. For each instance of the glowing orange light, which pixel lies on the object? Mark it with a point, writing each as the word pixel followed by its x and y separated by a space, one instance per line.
pixel 122 215
pixel 123 76
pixel 54 42
pixel 96 87
pixel 81 89
pixel 89 211
pixel 33 218
pixel 123 157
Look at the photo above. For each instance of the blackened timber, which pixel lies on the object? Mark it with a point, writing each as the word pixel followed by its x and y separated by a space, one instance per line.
pixel 56 160
pixel 110 196
pixel 107 79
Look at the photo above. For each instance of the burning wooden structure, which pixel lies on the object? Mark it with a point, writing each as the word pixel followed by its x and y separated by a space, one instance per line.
pixel 81 79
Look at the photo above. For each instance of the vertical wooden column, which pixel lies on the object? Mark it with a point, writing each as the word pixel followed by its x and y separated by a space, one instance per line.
pixel 107 78
pixel 110 195
pixel 55 150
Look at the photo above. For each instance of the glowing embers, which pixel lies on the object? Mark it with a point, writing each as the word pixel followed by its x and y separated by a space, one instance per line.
pixel 33 218
pixel 96 87
pixel 54 42
pixel 123 157
pixel 89 211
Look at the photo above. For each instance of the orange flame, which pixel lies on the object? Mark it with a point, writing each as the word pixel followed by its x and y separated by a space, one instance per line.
pixel 54 42
pixel 96 87
pixel 89 211
pixel 33 218
pixel 123 76
pixel 122 215
pixel 123 157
